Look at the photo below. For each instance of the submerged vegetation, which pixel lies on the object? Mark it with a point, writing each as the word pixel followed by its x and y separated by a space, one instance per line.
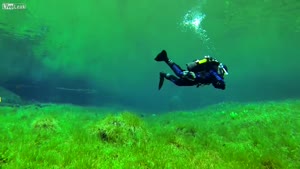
pixel 230 135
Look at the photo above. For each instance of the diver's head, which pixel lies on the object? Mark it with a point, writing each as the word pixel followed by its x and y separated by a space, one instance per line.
pixel 222 69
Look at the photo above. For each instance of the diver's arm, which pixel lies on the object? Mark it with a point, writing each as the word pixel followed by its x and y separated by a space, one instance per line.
pixel 188 75
pixel 218 81
pixel 219 85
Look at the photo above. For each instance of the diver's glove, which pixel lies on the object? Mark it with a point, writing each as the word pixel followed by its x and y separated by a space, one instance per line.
pixel 189 75
pixel 219 84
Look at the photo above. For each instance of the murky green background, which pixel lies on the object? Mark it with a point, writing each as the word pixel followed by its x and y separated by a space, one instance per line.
pixel 112 44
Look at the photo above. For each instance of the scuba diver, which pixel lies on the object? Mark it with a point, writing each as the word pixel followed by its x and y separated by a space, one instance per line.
pixel 200 72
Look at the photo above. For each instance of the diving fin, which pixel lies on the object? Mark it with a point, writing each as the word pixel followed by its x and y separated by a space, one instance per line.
pixel 162 76
pixel 162 56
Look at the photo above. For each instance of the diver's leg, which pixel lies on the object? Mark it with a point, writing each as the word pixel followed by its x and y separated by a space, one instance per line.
pixel 168 76
pixel 176 68
pixel 177 81
pixel 162 56
pixel 183 82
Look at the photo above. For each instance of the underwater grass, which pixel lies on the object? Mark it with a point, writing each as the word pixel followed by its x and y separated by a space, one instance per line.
pixel 229 135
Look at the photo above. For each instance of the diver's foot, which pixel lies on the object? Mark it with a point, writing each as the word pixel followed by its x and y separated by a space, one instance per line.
pixel 162 76
pixel 162 56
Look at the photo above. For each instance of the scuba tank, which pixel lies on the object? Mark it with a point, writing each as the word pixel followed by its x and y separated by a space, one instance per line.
pixel 205 64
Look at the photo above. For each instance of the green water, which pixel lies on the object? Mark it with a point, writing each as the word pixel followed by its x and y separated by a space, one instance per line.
pixel 113 43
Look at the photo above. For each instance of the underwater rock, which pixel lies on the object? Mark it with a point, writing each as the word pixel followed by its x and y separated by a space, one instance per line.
pixel 9 98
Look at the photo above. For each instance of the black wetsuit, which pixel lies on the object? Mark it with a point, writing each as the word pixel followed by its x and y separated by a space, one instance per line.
pixel 202 78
